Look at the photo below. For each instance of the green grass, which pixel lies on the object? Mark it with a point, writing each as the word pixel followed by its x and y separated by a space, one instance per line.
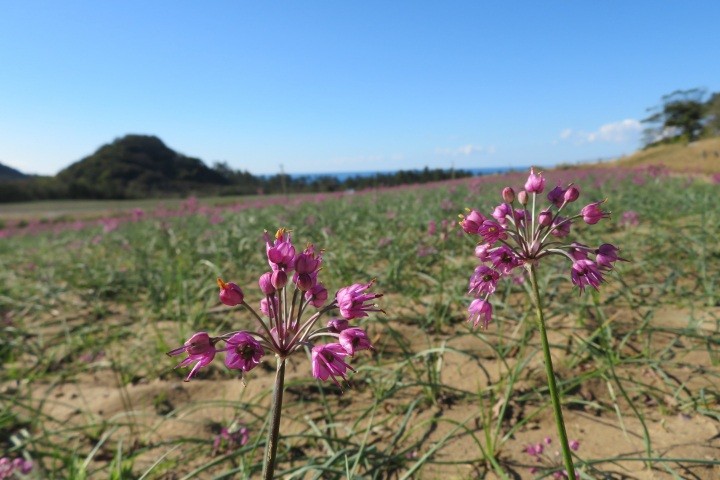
pixel 87 392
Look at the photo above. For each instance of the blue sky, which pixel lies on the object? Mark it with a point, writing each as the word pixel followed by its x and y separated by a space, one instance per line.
pixel 345 85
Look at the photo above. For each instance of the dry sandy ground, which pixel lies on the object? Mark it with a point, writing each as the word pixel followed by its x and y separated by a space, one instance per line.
pixel 677 431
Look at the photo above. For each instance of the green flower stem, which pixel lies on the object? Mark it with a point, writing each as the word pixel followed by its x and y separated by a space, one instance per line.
pixel 274 431
pixel 555 397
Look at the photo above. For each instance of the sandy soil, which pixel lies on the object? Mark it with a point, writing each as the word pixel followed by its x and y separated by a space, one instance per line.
pixel 599 417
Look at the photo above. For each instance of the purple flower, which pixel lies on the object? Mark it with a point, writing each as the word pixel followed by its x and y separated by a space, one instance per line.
pixel 231 439
pixel 535 183
pixel 354 339
pixel 200 348
pixel 243 352
pixel 631 218
pixel 337 325
pixel 307 261
pixel 352 301
pixel 522 197
pixel 501 212
pixel 504 259
pixel 556 196
pixel 484 280
pixel 480 308
pixel 278 279
pixel 492 231
pixel 571 194
pixel 327 362
pixel 230 293
pixel 578 251
pixel 265 283
pixel 471 222
pixel 317 295
pixel 482 252
pixel 586 272
pixel 592 213
pixel 508 195
pixel 574 445
pixel 545 218
pixel 280 252
pixel 606 255
pixel 533 450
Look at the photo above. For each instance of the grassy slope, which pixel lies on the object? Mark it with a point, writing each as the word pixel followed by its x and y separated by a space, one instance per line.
pixel 702 156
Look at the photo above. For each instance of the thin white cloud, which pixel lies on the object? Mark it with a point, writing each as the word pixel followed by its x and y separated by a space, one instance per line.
pixel 465 150
pixel 617 132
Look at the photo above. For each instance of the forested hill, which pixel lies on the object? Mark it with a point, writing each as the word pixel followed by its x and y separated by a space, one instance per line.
pixel 142 166
pixel 136 166
pixel 9 173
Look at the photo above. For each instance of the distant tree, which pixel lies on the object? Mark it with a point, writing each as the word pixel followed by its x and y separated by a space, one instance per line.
pixel 712 115
pixel 680 116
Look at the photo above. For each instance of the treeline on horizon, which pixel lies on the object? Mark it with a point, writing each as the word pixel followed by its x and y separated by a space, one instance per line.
pixel 142 166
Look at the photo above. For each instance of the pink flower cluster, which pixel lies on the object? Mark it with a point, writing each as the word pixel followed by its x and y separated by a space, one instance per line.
pixel 230 439
pixel 538 453
pixel 290 288
pixel 514 236
pixel 9 467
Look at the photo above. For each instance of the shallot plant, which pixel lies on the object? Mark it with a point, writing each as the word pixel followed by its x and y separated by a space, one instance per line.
pixel 289 322
pixel 519 233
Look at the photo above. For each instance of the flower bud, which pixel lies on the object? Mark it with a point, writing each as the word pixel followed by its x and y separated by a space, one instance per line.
pixel 571 194
pixel 230 293
pixel 508 195
pixel 337 325
pixel 522 197
pixel 279 279
pixel 592 213
pixel 265 282
pixel 545 218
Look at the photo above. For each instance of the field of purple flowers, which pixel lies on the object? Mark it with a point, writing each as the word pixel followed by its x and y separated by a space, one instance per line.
pixel 406 386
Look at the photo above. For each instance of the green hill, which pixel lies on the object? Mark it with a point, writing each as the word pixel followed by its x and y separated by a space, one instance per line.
pixel 136 166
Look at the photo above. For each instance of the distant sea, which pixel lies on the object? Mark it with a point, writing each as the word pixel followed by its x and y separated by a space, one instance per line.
pixel 342 176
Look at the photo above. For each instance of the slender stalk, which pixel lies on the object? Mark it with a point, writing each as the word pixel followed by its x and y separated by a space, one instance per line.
pixel 554 396
pixel 276 412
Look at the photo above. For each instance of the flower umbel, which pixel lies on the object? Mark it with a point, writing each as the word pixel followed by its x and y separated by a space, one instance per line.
pixel 283 330
pixel 524 237
pixel 516 237
pixel 287 324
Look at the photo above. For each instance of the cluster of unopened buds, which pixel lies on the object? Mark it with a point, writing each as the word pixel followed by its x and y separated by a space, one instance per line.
pixel 9 467
pixel 290 289
pixel 514 236
pixel 538 453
